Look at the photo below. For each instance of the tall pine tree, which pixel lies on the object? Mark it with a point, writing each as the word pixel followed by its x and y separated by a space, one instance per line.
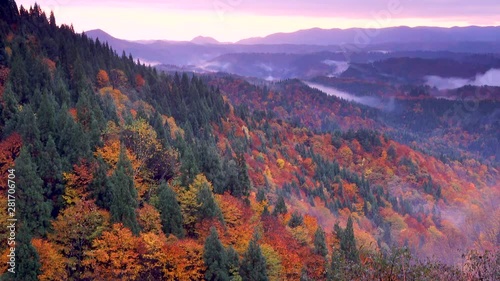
pixel 347 241
pixel 280 208
pixel 100 185
pixel 124 194
pixel 233 264
pixel 170 211
pixel 215 258
pixel 320 242
pixel 253 265
pixel 34 210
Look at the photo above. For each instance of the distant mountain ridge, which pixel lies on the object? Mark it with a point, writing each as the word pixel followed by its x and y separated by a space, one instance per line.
pixel 201 50
pixel 402 34
pixel 204 40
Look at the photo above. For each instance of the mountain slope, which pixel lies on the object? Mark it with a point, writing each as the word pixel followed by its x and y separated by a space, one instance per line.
pixel 123 171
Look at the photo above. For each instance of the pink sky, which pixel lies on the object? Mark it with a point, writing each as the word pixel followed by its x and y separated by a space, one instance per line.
pixel 232 20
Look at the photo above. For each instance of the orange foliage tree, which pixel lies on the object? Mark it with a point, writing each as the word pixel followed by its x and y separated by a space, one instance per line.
pixel 77 182
pixel 185 261
pixel 113 256
pixel 9 150
pixel 139 81
pixel 153 255
pixel 53 263
pixel 148 218
pixel 102 79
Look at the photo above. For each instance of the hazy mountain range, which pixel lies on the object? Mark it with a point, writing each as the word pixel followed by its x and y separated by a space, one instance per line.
pixel 395 39
pixel 403 34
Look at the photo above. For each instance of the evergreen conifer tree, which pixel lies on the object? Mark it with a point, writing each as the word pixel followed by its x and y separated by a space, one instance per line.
pixel 253 265
pixel 100 185
pixel 124 194
pixel 280 207
pixel 215 258
pixel 34 211
pixel 170 211
pixel 347 242
pixel 46 117
pixel 208 206
pixel 233 264
pixel 320 242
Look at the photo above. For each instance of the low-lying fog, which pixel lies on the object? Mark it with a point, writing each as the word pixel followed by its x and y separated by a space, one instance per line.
pixel 365 100
pixel 340 66
pixel 489 78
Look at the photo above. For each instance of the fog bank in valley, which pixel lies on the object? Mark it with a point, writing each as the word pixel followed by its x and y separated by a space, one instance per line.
pixel 375 102
pixel 489 78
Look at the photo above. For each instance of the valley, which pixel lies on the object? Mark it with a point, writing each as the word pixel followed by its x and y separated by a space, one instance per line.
pixel 282 157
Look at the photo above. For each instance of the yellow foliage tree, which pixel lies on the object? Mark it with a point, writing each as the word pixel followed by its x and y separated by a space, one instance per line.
pixel 280 163
pixel 345 154
pixel 153 256
pixel 273 262
pixel 74 229
pixel 141 138
pixel 188 199
pixel 301 234
pixel 174 129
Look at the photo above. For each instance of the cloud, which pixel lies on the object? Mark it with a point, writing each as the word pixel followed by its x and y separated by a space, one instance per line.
pixel 489 78
pixel 340 66
pixel 375 102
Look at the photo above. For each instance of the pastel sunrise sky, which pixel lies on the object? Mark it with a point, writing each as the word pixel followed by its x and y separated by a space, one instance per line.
pixel 232 20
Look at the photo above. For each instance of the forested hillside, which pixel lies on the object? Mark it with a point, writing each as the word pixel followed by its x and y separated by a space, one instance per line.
pixel 125 173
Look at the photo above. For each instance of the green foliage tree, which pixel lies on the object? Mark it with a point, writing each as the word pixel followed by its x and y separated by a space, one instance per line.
pixel 261 195
pixel 211 166
pixel 50 170
pixel 233 264
pixel 337 266
pixel 157 123
pixel 34 210
pixel 295 220
pixel 52 20
pixel 88 114
pixel 347 241
pixel 215 258
pixel 253 265
pixel 242 185
pixel 46 117
pixel 124 194
pixel 170 211
pixel 280 207
pixel 189 167
pixel 8 11
pixel 50 167
pixel 27 127
pixel 71 141
pixel 320 242
pixel 208 207
pixel 9 109
pixel 100 185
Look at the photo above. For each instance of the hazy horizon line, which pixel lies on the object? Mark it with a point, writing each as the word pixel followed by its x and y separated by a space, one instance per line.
pixel 289 32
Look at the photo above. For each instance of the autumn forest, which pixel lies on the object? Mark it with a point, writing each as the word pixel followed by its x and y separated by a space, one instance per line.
pixel 123 171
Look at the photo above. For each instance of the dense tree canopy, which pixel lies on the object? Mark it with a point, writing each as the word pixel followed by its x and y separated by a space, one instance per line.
pixel 125 172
